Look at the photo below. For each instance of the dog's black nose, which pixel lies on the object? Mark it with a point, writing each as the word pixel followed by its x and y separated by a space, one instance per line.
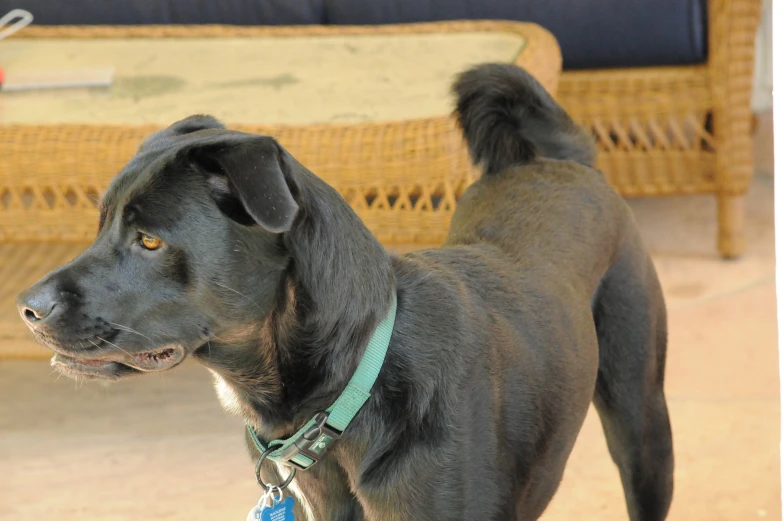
pixel 37 304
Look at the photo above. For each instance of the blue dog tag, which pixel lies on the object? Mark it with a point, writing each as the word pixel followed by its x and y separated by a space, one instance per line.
pixel 280 511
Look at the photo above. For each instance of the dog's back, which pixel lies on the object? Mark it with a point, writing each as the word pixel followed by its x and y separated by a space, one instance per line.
pixel 542 224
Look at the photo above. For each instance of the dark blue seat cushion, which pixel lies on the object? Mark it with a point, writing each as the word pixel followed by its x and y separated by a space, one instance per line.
pixel 592 33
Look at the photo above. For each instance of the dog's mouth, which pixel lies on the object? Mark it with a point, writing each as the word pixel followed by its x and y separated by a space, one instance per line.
pixel 113 365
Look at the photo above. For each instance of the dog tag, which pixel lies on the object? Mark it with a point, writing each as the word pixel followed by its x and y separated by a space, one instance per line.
pixel 279 511
pixel 255 512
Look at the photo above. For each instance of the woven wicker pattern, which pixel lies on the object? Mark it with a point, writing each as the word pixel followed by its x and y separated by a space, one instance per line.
pixel 400 177
pixel 416 169
pixel 678 130
pixel 650 127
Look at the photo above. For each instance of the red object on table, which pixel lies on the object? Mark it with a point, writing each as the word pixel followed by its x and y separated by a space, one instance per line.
pixel 2 76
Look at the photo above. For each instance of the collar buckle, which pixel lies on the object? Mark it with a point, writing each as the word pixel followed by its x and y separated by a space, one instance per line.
pixel 313 443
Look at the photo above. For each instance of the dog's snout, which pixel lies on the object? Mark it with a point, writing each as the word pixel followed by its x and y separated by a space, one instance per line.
pixel 33 315
pixel 37 304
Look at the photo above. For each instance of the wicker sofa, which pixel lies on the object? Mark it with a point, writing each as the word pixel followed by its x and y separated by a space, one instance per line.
pixel 664 85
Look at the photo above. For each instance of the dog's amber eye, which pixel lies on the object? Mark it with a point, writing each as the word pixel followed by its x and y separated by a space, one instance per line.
pixel 149 242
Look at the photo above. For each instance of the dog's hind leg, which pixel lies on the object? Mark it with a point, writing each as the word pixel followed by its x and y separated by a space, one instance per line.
pixel 631 325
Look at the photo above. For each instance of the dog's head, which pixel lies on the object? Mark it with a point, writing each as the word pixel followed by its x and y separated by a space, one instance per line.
pixel 189 248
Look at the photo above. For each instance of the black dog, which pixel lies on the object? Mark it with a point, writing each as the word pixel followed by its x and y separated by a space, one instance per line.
pixel 220 245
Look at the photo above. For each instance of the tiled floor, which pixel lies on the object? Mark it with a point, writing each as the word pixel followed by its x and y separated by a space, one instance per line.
pixel 161 448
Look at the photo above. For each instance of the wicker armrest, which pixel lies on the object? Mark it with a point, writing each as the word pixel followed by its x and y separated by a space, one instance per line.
pixel 732 30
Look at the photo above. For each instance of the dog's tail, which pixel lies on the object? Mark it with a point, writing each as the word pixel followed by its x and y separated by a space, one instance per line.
pixel 509 119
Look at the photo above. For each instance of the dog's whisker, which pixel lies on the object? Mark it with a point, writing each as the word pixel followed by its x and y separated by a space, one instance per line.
pixel 130 330
pixel 115 345
pixel 93 343
pixel 240 294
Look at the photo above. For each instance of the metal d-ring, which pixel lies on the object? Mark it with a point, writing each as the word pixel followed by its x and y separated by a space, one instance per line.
pixel 260 481
pixel 279 497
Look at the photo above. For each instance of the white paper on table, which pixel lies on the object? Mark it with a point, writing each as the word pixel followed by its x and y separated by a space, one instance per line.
pixel 57 79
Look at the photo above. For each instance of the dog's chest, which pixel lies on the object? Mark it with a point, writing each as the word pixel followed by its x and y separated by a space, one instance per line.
pixel 228 398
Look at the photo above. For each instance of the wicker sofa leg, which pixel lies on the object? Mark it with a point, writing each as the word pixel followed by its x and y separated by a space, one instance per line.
pixel 732 225
pixel 731 47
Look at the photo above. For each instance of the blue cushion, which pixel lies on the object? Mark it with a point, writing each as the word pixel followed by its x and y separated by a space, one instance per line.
pixel 592 33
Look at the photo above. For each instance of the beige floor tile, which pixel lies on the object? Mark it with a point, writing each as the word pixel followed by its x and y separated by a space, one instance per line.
pixel 145 448
pixel 725 348
pixel 726 459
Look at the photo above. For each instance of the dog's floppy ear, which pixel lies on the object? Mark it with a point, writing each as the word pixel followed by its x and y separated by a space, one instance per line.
pixel 249 168
pixel 180 128
pixel 192 124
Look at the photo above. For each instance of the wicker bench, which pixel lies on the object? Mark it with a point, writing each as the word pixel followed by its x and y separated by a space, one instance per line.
pixel 400 165
pixel 391 169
